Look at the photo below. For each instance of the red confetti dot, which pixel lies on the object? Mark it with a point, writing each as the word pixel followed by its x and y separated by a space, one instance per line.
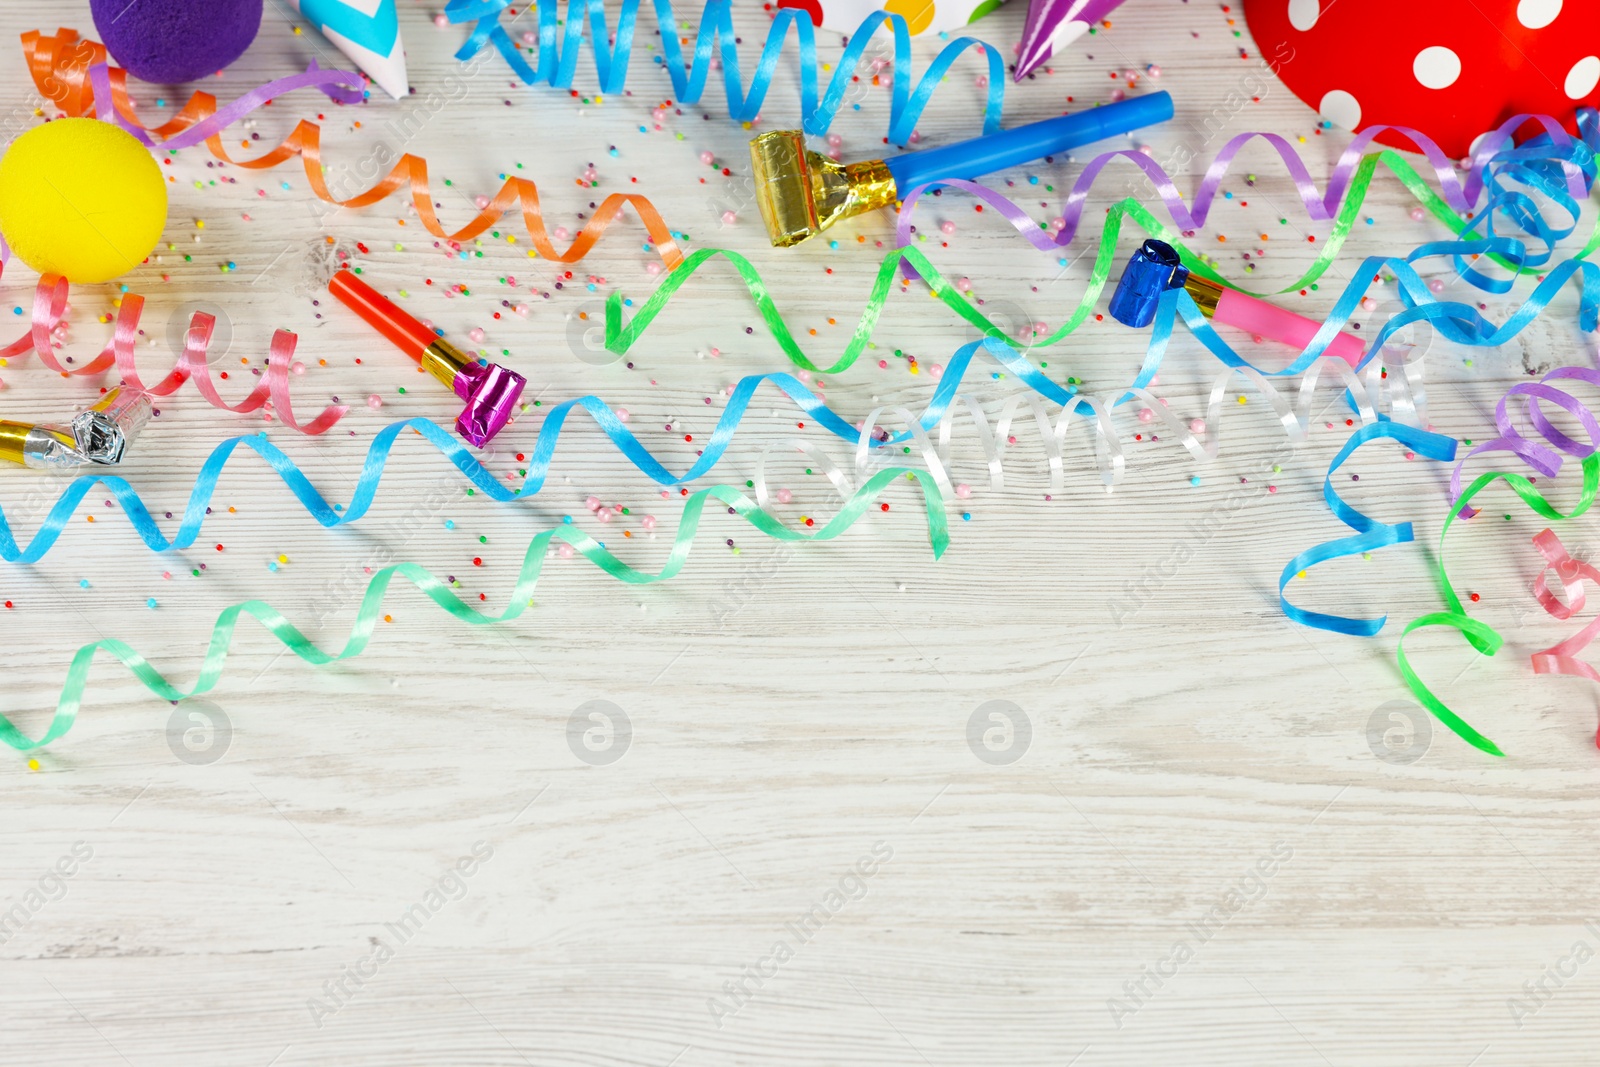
pixel 477 561
pixel 219 548
pixel 883 507
pixel 1474 598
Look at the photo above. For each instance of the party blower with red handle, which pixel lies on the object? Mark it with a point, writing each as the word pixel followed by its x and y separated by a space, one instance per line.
pixel 490 390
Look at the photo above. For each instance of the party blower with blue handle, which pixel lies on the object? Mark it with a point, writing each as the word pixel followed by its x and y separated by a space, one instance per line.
pixel 801 193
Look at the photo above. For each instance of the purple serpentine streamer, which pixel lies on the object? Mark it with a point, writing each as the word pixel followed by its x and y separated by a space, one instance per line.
pixel 340 86
pixel 1547 461
pixel 1321 207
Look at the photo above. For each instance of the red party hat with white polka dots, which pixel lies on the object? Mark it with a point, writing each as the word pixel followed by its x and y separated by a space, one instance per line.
pixel 1451 71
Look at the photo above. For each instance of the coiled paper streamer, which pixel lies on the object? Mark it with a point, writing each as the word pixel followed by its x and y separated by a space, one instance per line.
pixel 73 73
pixel 868 441
pixel 1554 164
pixel 1460 322
pixel 1543 455
pixel 1561 658
pixel 49 309
pixel 716 21
pixel 371 608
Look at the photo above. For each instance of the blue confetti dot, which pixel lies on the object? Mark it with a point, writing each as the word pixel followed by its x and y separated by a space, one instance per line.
pixel 1033 180
pixel 566 520
pixel 151 603
pixel 1194 479
pixel 966 516
pixel 449 524
pixel 83 583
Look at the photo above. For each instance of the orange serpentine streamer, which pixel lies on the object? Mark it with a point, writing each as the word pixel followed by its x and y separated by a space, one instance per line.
pixel 60 68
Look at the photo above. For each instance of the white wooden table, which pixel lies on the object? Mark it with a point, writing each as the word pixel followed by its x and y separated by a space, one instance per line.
pixel 792 712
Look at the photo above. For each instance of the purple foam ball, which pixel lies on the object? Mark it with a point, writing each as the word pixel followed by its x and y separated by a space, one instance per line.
pixel 169 41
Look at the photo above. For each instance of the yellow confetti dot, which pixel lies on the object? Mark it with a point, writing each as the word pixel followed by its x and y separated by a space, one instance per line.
pixel 283 559
pixel 199 224
pixel 33 765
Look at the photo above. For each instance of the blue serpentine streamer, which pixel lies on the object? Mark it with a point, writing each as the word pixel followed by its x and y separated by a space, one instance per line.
pixel 1459 322
pixel 438 591
pixel 558 68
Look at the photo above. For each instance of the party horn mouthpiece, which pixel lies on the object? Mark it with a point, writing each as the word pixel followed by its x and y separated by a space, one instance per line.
pixel 104 431
pixel 99 436
pixel 1156 267
pixel 1153 269
pixel 490 390
pixel 801 193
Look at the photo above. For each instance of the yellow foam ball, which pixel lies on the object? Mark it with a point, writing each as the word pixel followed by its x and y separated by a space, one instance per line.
pixel 81 198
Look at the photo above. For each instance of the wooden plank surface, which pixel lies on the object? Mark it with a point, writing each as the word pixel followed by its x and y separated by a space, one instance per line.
pixel 807 727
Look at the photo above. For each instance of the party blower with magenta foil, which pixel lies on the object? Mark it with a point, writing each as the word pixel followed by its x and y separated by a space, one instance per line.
pixel 490 390
pixel 801 193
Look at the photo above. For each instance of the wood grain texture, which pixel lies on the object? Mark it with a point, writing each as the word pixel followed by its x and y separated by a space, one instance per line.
pixel 791 709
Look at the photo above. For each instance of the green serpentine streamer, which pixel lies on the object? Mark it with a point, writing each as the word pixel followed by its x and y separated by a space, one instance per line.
pixel 371 609
pixel 1480 635
pixel 621 337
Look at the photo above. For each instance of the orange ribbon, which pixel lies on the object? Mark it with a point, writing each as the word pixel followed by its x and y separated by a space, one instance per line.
pixel 60 67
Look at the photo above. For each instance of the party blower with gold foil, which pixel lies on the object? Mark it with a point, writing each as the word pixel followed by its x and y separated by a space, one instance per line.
pixel 801 193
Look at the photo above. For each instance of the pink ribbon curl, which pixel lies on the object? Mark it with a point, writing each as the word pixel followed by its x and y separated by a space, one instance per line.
pixel 271 393
pixel 1562 658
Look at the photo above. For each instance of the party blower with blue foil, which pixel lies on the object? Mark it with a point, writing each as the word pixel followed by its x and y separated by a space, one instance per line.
pixel 1156 268
pixel 801 193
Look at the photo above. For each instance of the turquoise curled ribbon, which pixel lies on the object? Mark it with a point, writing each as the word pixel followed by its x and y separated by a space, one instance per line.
pixel 435 589
pixel 1370 534
pixel 540 456
pixel 559 68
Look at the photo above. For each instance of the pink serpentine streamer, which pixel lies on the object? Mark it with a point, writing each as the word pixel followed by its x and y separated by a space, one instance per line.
pixel 1321 207
pixel 272 392
pixel 1562 657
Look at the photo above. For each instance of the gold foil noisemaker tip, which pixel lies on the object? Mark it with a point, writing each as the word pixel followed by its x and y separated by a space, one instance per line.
pixel 801 192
